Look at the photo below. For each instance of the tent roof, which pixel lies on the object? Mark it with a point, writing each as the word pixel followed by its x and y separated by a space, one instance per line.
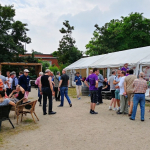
pixel 115 59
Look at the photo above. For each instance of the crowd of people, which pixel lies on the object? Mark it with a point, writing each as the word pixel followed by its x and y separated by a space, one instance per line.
pixel 126 89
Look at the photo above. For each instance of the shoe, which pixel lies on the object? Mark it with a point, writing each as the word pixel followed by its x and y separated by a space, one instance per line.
pixel 59 106
pixel 97 103
pixel 101 102
pixel 40 104
pixel 125 113
pixel 79 98
pixel 44 113
pixel 70 105
pixel 52 113
pixel 118 108
pixel 110 108
pixel 115 109
pixel 131 118
pixel 91 112
pixel 95 112
pixel 119 113
pixel 142 120
pixel 129 114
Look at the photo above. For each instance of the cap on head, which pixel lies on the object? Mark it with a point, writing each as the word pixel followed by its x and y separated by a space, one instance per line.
pixel 47 70
pixel 26 70
pixel 12 73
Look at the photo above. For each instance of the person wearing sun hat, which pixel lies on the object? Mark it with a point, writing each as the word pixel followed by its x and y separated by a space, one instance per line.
pixel 24 81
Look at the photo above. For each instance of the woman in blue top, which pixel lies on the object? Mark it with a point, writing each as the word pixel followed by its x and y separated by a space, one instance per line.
pixel 4 101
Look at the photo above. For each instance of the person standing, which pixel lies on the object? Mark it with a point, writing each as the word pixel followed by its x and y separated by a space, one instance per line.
pixel 37 82
pixel 24 82
pixel 100 86
pixel 63 88
pixel 8 83
pixel 128 88
pixel 123 98
pixel 93 87
pixel 117 91
pixel 140 87
pixel 56 85
pixel 112 88
pixel 3 78
pixel 78 79
pixel 46 88
pixel 125 67
pixel 14 80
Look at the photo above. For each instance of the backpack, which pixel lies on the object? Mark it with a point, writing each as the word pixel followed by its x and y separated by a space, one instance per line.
pixel 1 85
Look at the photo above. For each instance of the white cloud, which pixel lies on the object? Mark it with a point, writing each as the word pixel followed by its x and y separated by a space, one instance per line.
pixel 45 17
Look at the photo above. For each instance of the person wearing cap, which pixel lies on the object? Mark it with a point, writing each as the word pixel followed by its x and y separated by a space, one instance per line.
pixel 37 82
pixel 46 88
pixel 24 82
pixel 15 80
pixel 125 67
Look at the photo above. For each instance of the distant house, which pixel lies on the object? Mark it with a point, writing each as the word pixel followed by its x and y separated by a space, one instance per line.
pixel 47 57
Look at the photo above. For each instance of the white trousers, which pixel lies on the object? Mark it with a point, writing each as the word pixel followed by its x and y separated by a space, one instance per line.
pixel 78 89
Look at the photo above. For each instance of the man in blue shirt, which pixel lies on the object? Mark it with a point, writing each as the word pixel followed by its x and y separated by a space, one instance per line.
pixel 15 80
pixel 78 79
pixel 24 81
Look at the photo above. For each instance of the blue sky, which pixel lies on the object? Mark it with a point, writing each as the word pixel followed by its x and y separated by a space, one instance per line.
pixel 45 17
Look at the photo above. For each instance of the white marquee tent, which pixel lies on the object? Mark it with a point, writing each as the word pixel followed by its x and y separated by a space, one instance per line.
pixel 134 57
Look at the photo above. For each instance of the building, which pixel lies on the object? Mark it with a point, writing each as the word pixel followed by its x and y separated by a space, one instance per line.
pixel 47 57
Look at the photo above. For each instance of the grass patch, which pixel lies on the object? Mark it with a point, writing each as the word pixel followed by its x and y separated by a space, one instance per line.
pixel 28 120
pixel 147 104
pixel 72 92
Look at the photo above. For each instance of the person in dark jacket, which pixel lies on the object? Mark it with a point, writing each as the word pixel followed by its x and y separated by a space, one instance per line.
pixel 24 82
pixel 78 79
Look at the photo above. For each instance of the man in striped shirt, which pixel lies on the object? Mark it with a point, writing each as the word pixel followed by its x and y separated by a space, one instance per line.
pixel 140 87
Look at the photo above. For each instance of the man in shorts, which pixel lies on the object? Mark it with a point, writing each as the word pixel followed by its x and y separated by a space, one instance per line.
pixel 117 91
pixel 93 80
pixel 129 89
pixel 112 89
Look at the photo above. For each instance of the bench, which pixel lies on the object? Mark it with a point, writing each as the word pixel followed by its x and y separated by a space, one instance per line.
pixel 106 95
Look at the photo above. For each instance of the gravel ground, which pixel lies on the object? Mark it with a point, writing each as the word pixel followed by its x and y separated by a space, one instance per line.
pixel 76 129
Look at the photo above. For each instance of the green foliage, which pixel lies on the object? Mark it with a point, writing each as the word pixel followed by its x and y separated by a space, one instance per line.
pixel 55 53
pixel 130 32
pixel 67 53
pixel 45 65
pixel 12 35
pixel 54 69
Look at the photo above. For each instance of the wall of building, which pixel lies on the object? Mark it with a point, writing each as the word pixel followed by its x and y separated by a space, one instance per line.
pixel 46 57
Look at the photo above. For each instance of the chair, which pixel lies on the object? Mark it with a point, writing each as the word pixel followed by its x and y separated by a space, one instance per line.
pixel 4 114
pixel 14 108
pixel 22 110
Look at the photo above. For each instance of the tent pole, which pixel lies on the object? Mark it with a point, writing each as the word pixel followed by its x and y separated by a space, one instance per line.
pixel 108 72
pixel 87 72
pixel 137 70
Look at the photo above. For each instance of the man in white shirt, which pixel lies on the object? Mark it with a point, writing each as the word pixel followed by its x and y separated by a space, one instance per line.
pixel 123 98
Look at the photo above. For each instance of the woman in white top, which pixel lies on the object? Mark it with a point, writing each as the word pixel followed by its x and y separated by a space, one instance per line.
pixel 8 83
pixel 123 98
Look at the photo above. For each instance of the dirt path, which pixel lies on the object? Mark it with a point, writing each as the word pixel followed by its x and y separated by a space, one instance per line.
pixel 75 129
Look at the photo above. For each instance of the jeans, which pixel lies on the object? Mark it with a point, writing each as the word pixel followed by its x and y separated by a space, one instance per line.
pixel 47 93
pixel 138 98
pixel 100 94
pixel 64 92
pixel 57 93
pixel 39 95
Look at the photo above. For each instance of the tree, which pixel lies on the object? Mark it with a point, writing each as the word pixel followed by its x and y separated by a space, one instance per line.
pixel 130 32
pixel 67 52
pixel 12 35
